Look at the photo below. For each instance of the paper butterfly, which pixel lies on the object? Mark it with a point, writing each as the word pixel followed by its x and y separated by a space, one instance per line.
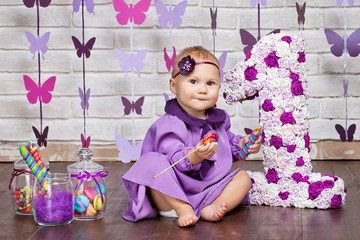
pixel 170 16
pixel 346 135
pixel 132 12
pixel 127 151
pixel 129 62
pixel 338 43
pixel 41 137
pixel 131 106
pixel 88 3
pixel 169 62
pixel 167 98
pixel 213 15
pixel 31 3
pixel 253 3
pixel 85 144
pixel 301 14
pixel 249 40
pixel 340 2
pixel 39 91
pixel 248 130
pixel 84 99
pixel 83 49
pixel 222 61
pixel 38 43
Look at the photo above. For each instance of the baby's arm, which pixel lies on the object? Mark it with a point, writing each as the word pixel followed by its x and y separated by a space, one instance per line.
pixel 255 148
pixel 202 152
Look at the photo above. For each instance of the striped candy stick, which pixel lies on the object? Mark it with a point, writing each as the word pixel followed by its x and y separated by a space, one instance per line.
pixel 36 155
pixel 252 139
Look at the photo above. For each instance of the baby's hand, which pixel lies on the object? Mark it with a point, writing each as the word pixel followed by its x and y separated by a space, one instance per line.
pixel 255 148
pixel 203 152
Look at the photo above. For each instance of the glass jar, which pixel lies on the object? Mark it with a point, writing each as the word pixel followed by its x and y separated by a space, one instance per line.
pixel 21 188
pixel 53 200
pixel 88 179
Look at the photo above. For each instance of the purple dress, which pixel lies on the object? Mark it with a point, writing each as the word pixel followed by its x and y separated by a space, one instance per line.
pixel 168 140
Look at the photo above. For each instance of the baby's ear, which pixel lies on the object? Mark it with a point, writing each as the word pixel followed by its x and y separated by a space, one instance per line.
pixel 172 86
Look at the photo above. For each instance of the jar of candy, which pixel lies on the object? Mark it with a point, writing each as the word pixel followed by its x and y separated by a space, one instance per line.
pixel 53 200
pixel 88 179
pixel 21 188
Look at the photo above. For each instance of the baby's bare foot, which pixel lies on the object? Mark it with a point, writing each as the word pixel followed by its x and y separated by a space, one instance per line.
pixel 214 212
pixel 186 216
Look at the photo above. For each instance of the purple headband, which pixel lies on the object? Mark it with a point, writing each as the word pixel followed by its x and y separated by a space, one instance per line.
pixel 187 65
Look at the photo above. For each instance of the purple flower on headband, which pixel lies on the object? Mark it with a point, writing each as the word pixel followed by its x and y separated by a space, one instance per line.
pixel 301 57
pixel 286 39
pixel 250 73
pixel 186 65
pixel 267 106
pixel 271 60
pixel 296 88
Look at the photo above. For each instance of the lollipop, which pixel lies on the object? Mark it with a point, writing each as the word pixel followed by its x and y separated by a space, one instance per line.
pixel 252 139
pixel 209 137
pixel 36 155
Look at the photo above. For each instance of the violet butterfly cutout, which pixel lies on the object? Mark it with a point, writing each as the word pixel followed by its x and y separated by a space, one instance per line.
pixel 80 49
pixel 84 98
pixel 37 43
pixel 132 106
pixel 301 14
pixel 249 40
pixel 127 151
pixel 343 132
pixel 39 91
pixel 41 137
pixel 340 2
pixel 134 13
pixel 132 61
pixel 85 143
pixel 88 3
pixel 222 61
pixel 345 86
pixel 31 3
pixel 253 3
pixel 167 97
pixel 338 43
pixel 170 16
pixel 169 62
pixel 248 130
pixel 213 15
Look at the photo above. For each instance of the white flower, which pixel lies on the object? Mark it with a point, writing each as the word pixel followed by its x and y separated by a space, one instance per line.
pixel 283 49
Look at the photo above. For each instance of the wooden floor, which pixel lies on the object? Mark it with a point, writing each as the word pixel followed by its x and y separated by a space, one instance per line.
pixel 254 222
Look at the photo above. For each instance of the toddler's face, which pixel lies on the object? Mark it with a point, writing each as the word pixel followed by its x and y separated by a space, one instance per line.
pixel 199 90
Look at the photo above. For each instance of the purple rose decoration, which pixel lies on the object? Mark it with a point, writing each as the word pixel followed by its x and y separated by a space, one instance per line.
pixel 294 76
pixel 272 176
pixel 307 140
pixel 248 55
pixel 284 195
pixel 186 65
pixel 296 88
pixel 271 60
pixel 328 184
pixel 336 201
pixel 301 57
pixel 267 106
pixel 262 136
pixel 300 162
pixel 286 39
pixel 287 117
pixel 297 177
pixel 315 189
pixel 291 148
pixel 250 73
pixel 276 142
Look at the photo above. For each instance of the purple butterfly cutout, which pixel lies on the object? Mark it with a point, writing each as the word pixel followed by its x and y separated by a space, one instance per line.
pixel 88 3
pixel 253 3
pixel 338 43
pixel 131 106
pixel 31 3
pixel 301 14
pixel 38 44
pixel 167 98
pixel 80 49
pixel 84 98
pixel 346 135
pixel 41 137
pixel 85 143
pixel 170 15
pixel 127 151
pixel 340 2
pixel 213 15
pixel 169 62
pixel 132 61
pixel 222 61
pixel 248 130
pixel 249 40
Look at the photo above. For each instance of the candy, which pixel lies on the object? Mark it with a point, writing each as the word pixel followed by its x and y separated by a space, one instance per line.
pixel 210 137
pixel 252 139
pixel 22 200
pixel 101 187
pixel 36 155
pixel 90 193
pixel 81 203
pixel 91 211
pixel 98 204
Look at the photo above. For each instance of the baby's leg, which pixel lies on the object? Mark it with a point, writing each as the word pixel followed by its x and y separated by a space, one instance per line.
pixel 184 211
pixel 229 198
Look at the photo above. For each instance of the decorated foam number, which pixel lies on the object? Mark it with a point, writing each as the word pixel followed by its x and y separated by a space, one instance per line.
pixel 275 70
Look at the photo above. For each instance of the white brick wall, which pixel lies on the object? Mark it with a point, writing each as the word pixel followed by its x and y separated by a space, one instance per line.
pixel 104 76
